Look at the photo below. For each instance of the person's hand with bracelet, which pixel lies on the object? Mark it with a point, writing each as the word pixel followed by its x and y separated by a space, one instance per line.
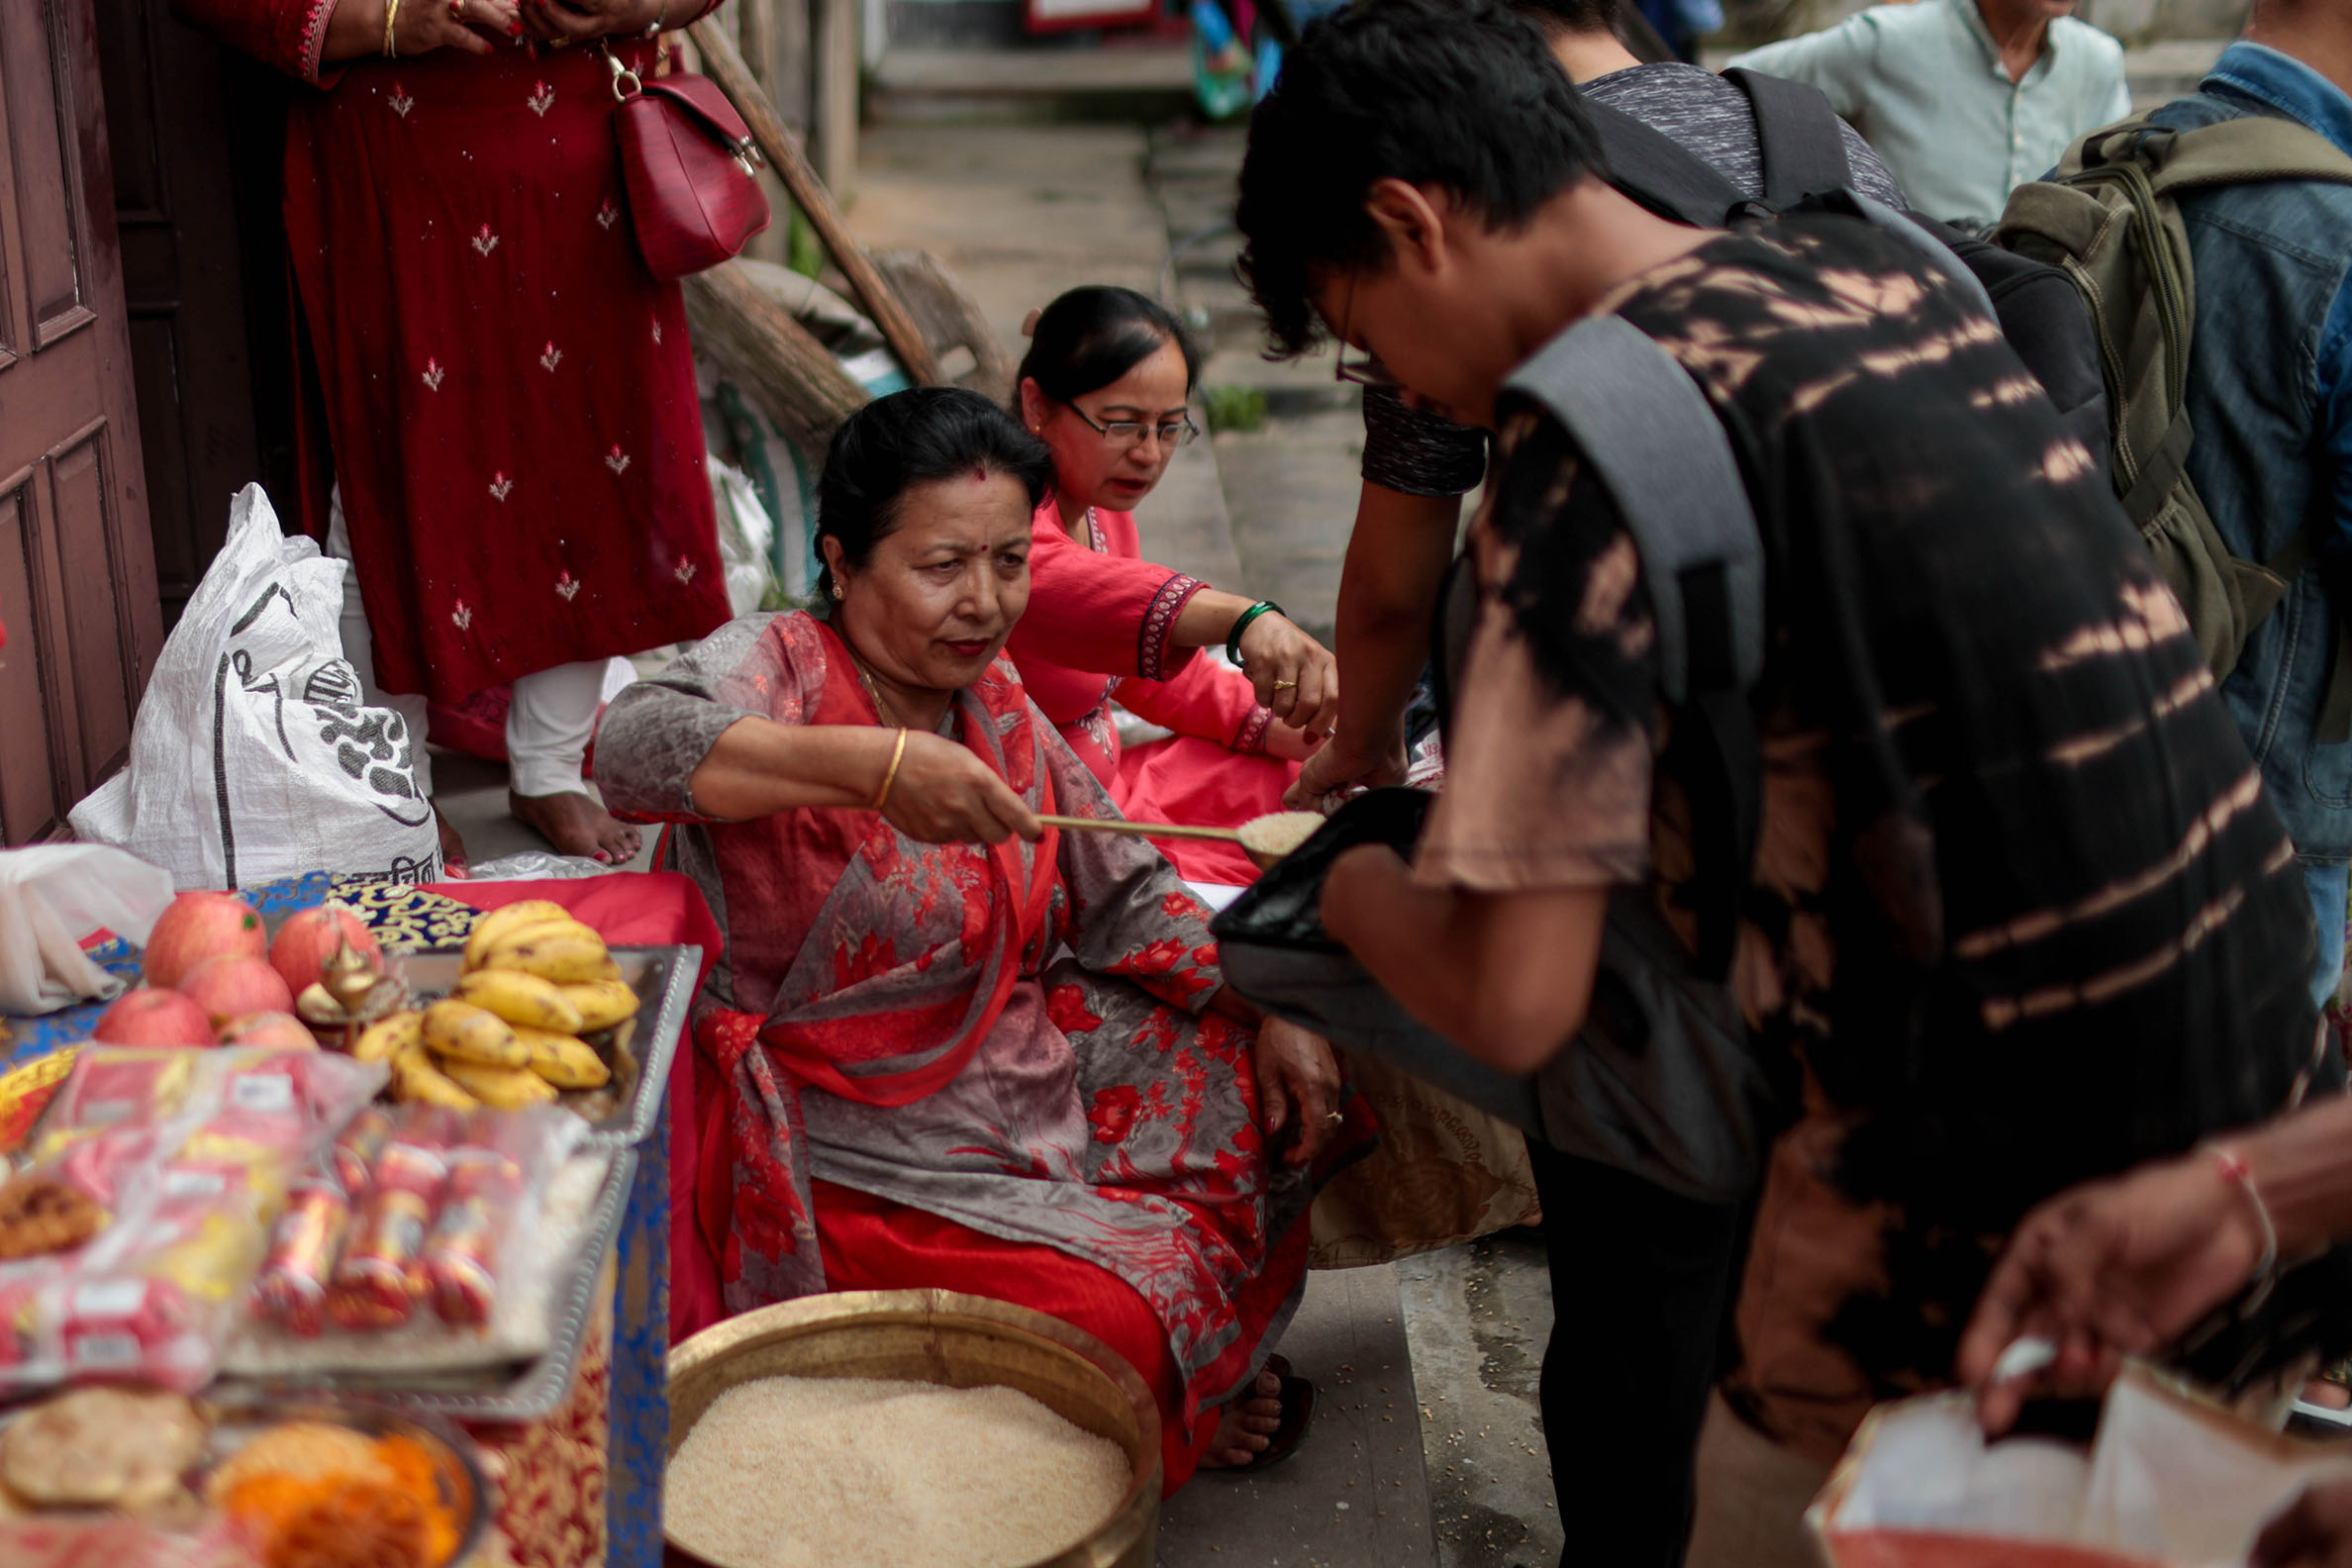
pixel 581 20
pixel 939 792
pixel 1294 675
pixel 2117 1268
pixel 405 29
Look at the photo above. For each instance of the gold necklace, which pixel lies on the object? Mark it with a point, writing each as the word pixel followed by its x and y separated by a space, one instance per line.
pixel 882 703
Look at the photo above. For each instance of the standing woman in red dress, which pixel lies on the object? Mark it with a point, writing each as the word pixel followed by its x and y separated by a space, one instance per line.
pixel 508 395
pixel 1106 383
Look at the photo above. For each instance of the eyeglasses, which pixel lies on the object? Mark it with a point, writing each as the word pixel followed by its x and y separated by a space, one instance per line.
pixel 1131 432
pixel 1364 370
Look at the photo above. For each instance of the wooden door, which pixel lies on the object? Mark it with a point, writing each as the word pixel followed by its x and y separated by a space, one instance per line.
pixel 196 133
pixel 78 574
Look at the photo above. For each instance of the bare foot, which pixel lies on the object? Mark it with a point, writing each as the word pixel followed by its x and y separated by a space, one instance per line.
pixel 453 845
pixel 576 825
pixel 1248 1426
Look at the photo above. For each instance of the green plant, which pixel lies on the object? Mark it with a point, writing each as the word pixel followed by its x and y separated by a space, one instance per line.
pixel 1234 408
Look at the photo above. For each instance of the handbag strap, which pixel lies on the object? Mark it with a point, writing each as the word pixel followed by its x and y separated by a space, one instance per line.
pixel 704 103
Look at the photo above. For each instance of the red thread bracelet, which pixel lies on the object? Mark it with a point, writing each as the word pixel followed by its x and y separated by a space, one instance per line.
pixel 2240 1175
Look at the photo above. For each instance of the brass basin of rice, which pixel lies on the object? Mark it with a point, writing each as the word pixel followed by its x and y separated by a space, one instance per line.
pixel 954 1340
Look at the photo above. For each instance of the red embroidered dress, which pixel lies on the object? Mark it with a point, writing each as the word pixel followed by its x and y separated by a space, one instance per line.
pixel 1096 632
pixel 904 1078
pixel 508 395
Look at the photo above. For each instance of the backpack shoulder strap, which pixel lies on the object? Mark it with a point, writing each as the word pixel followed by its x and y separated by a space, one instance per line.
pixel 1644 425
pixel 1660 172
pixel 2241 151
pixel 1801 138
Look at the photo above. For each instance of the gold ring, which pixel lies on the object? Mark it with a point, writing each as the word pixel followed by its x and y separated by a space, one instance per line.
pixel 1284 685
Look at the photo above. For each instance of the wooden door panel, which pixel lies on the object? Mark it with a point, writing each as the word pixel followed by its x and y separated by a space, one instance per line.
pixel 49 213
pixel 76 569
pixel 87 526
pixel 172 112
pixel 28 769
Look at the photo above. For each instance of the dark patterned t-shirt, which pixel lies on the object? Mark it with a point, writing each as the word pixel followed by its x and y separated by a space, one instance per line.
pixel 1987 735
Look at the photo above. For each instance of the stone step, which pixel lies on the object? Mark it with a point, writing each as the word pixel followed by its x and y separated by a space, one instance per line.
pixel 1143 82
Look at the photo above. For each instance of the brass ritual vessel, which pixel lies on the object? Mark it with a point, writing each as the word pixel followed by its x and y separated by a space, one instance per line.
pixel 954 1340
pixel 351 993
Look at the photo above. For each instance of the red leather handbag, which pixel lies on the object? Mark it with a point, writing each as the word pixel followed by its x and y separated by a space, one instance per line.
pixel 691 169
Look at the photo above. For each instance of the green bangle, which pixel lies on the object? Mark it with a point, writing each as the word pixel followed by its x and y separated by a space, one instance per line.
pixel 1241 623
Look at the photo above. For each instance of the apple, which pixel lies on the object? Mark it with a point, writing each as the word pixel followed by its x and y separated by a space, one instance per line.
pixel 275 1030
pixel 231 987
pixel 151 1015
pixel 201 926
pixel 300 951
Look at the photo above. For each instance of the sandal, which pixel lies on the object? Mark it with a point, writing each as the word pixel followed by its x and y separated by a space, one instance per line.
pixel 1298 1414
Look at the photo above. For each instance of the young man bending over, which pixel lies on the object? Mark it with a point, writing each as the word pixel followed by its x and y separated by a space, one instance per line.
pixel 2019 913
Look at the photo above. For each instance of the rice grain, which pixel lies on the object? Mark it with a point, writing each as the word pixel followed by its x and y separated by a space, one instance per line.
pixel 792 1472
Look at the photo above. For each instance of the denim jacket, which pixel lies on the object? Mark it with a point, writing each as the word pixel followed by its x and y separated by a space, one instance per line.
pixel 2270 399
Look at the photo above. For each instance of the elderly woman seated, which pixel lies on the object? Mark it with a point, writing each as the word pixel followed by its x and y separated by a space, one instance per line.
pixel 950 1046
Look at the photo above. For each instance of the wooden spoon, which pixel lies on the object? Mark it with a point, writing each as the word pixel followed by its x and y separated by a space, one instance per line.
pixel 1257 837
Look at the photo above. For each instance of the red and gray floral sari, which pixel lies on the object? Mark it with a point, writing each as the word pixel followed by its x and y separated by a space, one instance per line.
pixel 1011 1040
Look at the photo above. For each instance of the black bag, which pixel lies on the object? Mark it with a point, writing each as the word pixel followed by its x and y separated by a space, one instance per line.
pixel 1661 1082
pixel 1802 144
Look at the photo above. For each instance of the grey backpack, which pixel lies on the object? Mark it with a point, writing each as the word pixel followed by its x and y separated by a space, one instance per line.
pixel 1661 1082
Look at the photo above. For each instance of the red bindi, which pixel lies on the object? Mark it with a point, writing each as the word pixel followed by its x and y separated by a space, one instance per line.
pixel 979 473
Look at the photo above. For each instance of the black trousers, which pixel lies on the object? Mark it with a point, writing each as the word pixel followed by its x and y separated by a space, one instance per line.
pixel 1642 1287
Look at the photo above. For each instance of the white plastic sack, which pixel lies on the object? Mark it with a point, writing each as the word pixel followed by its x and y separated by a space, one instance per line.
pixel 252 757
pixel 2170 1483
pixel 746 532
pixel 51 898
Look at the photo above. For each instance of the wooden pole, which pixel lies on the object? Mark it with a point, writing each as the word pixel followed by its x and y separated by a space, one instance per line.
pixel 784 156
pixel 755 343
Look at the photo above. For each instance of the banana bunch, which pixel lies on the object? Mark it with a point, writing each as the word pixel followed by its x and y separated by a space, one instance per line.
pixel 535 981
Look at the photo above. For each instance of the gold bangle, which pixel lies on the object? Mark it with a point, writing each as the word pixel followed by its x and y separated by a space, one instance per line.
pixel 898 755
pixel 391 16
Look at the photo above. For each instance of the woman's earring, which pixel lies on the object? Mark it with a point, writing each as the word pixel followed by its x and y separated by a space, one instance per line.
pixel 837 590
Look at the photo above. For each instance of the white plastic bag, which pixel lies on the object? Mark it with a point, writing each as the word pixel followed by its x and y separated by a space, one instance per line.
pixel 2169 1482
pixel 746 534
pixel 252 757
pixel 51 898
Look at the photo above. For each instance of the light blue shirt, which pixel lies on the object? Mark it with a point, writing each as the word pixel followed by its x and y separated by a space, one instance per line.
pixel 1924 84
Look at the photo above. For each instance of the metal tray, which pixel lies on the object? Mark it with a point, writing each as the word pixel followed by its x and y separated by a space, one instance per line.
pixel 527 1392
pixel 641 1051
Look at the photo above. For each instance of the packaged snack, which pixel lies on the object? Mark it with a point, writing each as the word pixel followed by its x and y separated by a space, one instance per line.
pixel 484 1187
pixel 357 1145
pixel 185 1159
pixel 381 1274
pixel 292 1288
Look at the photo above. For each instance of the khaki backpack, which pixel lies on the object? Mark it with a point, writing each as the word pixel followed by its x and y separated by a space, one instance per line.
pixel 2110 217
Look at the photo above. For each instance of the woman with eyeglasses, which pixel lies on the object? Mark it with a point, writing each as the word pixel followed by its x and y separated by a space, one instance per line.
pixel 1106 384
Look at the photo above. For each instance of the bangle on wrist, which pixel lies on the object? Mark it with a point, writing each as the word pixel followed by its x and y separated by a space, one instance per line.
pixel 2239 1174
pixel 898 755
pixel 391 16
pixel 654 27
pixel 1241 623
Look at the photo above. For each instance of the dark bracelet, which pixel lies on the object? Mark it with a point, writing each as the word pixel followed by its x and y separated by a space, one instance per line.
pixel 1241 623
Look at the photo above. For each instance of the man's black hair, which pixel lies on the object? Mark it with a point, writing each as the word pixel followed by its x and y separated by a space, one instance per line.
pixel 1462 95
pixel 912 437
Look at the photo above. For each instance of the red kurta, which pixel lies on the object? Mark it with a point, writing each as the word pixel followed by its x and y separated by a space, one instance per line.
pixel 1096 631
pixel 509 394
